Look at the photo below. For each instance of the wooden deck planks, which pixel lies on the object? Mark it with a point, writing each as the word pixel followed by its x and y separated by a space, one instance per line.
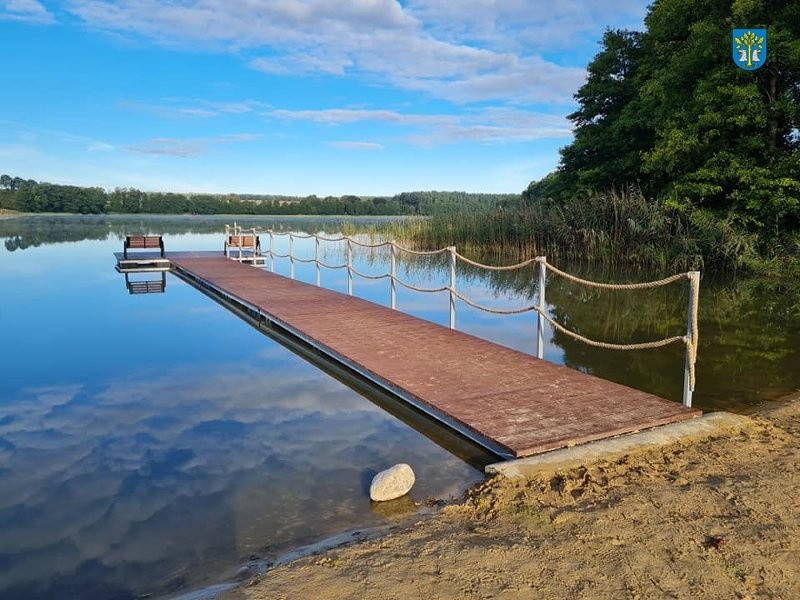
pixel 523 404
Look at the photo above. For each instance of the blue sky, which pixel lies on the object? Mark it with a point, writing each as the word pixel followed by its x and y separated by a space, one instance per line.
pixel 326 97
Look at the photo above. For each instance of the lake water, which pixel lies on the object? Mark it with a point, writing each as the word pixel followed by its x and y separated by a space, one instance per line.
pixel 155 444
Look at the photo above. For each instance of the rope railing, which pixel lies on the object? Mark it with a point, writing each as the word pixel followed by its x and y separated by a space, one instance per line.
pixel 646 285
pixel 419 289
pixel 327 266
pixel 366 276
pixel 690 340
pixel 525 263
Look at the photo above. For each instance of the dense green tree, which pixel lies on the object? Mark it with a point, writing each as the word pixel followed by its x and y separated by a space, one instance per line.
pixel 726 138
pixel 668 110
pixel 609 137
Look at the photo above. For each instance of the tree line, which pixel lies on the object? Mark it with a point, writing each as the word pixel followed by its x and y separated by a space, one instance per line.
pixel 28 195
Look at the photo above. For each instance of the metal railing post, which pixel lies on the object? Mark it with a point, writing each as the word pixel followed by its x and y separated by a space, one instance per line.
pixel 291 256
pixel 393 274
pixel 349 268
pixel 271 255
pixel 452 287
pixel 316 257
pixel 542 301
pixel 688 388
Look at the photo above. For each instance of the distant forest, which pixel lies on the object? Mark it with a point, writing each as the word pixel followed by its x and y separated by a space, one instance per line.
pixel 27 195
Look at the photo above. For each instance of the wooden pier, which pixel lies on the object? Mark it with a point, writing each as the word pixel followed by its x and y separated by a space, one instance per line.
pixel 509 402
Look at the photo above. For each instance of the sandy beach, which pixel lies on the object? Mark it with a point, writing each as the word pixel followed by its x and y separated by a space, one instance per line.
pixel 715 517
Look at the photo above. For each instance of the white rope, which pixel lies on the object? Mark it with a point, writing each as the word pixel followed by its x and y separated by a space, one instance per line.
pixel 416 289
pixel 524 263
pixel 365 276
pixel 365 245
pixel 619 286
pixel 327 266
pixel 495 311
pixel 610 346
pixel 419 252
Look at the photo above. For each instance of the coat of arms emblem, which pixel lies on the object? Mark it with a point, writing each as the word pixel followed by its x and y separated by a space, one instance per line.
pixel 749 48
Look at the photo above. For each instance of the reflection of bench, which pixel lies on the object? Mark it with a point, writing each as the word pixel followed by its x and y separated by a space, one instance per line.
pixel 242 242
pixel 147 287
pixel 141 242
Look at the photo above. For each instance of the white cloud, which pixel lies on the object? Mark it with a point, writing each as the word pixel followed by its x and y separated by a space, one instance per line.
pixel 490 125
pixel 468 51
pixel 516 24
pixel 171 147
pixel 27 11
pixel 230 138
pixel 100 147
pixel 193 107
pixel 188 148
pixel 357 145
pixel 339 116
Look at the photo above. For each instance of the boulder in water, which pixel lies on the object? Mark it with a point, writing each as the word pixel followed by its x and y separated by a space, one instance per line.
pixel 392 483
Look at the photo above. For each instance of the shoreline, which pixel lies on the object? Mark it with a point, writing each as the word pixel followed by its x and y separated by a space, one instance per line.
pixel 708 517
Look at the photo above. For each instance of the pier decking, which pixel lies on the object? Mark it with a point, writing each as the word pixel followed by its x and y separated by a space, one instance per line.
pixel 512 403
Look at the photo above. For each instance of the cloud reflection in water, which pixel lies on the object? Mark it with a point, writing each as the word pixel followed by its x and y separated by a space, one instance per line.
pixel 154 482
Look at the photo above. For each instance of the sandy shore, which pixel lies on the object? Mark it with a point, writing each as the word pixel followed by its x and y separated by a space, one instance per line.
pixel 717 517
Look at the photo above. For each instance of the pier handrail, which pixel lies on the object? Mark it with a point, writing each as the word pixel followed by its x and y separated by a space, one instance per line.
pixel 690 340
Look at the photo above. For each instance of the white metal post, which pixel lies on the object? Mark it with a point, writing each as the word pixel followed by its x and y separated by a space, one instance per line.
pixel 271 256
pixel 688 388
pixel 393 276
pixel 227 239
pixel 291 256
pixel 316 257
pixel 452 250
pixel 540 312
pixel 349 268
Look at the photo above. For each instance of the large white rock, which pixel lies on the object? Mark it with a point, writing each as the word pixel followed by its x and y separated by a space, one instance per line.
pixel 391 483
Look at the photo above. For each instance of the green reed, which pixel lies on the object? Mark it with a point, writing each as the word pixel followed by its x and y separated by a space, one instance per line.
pixel 609 229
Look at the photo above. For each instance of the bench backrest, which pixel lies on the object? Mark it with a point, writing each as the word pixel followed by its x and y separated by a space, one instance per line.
pixel 245 241
pixel 143 241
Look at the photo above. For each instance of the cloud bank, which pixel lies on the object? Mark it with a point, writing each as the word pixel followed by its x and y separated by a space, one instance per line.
pixel 470 51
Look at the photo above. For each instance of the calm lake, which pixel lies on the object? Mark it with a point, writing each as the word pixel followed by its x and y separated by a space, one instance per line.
pixel 157 444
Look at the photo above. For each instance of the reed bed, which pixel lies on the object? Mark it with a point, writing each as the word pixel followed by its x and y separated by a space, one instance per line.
pixel 609 229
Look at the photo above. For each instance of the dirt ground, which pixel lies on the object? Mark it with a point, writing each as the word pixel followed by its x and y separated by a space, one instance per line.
pixel 712 518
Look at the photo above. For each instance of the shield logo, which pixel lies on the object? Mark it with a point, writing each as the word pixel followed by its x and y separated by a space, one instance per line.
pixel 749 48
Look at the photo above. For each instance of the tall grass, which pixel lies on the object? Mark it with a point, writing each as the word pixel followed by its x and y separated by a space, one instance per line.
pixel 609 229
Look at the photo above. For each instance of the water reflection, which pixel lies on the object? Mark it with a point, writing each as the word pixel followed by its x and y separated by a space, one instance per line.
pixel 144 482
pixel 21 233
pixel 166 442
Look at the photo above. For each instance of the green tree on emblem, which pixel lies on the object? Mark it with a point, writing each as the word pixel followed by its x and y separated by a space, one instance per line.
pixel 750 40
